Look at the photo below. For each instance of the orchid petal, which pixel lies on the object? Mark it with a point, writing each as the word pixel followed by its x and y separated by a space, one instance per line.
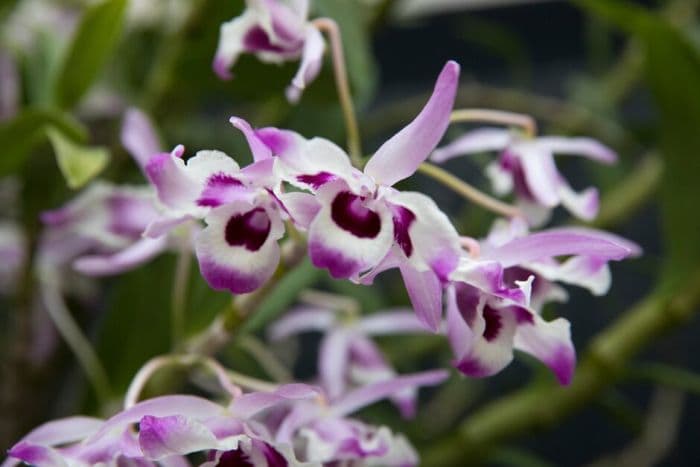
pixel 139 137
pixel 302 207
pixel 583 205
pixel 589 272
pixel 425 291
pixel 359 398
pixel 540 173
pixel 105 265
pixel 258 148
pixel 425 234
pixel 333 361
pixel 238 250
pixel 300 320
pixel 401 155
pixel 231 43
pixel 311 61
pixel 474 142
pixel 557 242
pixel 550 342
pixel 247 405
pixel 586 147
pixel 161 437
pixel 398 321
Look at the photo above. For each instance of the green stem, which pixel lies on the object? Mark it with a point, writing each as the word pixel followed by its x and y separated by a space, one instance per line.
pixel 76 340
pixel 467 191
pixel 499 117
pixel 179 292
pixel 546 405
pixel 344 95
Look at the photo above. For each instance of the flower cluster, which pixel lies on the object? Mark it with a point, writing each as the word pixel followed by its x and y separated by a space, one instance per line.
pixel 486 296
pixel 292 424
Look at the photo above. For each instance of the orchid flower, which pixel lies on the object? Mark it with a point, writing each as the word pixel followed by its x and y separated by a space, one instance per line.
pixel 275 31
pixel 489 314
pixel 245 431
pixel 357 221
pixel 238 250
pixel 99 231
pixel 527 167
pixel 347 352
pixel 589 272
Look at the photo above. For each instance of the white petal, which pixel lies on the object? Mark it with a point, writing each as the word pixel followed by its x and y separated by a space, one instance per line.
pixel 474 142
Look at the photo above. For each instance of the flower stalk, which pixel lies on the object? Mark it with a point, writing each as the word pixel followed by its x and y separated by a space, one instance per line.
pixel 354 142
pixel 467 191
pixel 500 117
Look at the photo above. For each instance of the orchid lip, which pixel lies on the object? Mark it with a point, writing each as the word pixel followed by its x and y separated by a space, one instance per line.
pixel 348 212
pixel 249 230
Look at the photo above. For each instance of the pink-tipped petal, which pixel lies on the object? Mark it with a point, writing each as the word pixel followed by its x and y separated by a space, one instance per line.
pixel 541 175
pixel 311 61
pixel 583 205
pixel 302 319
pixel 425 291
pixel 474 142
pixel 161 437
pixel 333 361
pixel 231 43
pixel 549 342
pixel 139 137
pixel 106 265
pixel 586 147
pixel 401 155
pixel 398 321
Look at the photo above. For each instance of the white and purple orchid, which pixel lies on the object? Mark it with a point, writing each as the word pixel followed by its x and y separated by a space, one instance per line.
pixel 526 166
pixel 489 302
pixel 348 357
pixel 358 224
pixel 275 31
pixel 290 425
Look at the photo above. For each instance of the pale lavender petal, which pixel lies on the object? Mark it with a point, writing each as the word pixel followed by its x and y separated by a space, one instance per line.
pixel 250 404
pixel 35 454
pixel 583 205
pixel 311 61
pixel 367 395
pixel 333 361
pixel 459 334
pixel 136 254
pixel 589 272
pixel 541 175
pixel 161 437
pixel 397 321
pixel 586 147
pixel 425 291
pixel 633 248
pixel 474 142
pixel 238 250
pixel 301 319
pixel 139 137
pixel 231 43
pixel 401 155
pixel 66 430
pixel 167 172
pixel 163 225
pixel 350 234
pixel 258 148
pixel 550 342
pixel 302 208
pixel 557 242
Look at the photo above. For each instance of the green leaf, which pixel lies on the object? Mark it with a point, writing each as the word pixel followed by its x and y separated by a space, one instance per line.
pixel 94 40
pixel 79 164
pixel 671 59
pixel 20 135
pixel 354 29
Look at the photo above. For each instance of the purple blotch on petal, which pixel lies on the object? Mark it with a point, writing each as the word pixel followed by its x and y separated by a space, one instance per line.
pixel 223 278
pixel 317 180
pixel 473 368
pixel 494 323
pixel 348 212
pixel 234 458
pixel 563 365
pixel 257 40
pixel 276 140
pixel 403 218
pixel 249 230
pixel 216 184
